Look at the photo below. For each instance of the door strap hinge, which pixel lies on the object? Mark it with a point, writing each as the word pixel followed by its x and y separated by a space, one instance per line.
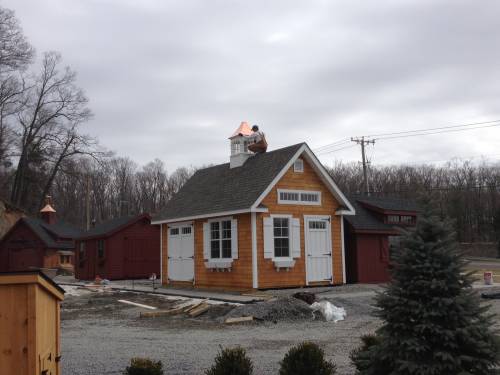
pixel 328 254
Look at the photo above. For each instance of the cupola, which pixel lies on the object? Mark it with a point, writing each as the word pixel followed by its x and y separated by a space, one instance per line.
pixel 239 145
pixel 47 212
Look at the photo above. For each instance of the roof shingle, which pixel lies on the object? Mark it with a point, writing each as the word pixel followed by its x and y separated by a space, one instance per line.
pixel 220 188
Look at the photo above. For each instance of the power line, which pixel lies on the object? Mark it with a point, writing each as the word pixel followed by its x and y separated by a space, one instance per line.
pixel 438 128
pixel 415 132
pixel 335 150
pixel 437 132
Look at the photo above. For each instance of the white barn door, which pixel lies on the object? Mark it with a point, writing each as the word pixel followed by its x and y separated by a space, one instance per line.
pixel 181 252
pixel 318 246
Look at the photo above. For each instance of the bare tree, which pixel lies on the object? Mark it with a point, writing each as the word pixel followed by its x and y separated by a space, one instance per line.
pixel 15 56
pixel 52 103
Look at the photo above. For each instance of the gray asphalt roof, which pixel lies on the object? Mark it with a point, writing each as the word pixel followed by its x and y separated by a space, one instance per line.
pixel 390 203
pixel 108 226
pixel 366 220
pixel 61 230
pixel 220 188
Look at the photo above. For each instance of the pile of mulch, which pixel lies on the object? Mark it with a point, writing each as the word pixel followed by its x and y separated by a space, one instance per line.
pixel 279 309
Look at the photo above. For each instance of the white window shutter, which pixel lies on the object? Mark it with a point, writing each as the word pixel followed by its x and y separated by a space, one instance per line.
pixel 268 238
pixel 295 236
pixel 206 241
pixel 234 239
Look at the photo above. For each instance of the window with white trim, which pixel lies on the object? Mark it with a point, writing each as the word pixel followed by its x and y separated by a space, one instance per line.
pixel 304 197
pixel 174 231
pixel 220 239
pixel 281 229
pixel 298 165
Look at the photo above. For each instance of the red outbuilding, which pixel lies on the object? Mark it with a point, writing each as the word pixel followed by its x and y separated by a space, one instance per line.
pixel 123 248
pixel 370 234
pixel 34 243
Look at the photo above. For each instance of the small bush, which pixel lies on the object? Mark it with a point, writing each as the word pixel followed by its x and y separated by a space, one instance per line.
pixel 306 359
pixel 144 366
pixel 231 362
pixel 363 357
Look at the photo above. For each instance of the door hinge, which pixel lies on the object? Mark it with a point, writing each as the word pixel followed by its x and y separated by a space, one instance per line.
pixel 328 254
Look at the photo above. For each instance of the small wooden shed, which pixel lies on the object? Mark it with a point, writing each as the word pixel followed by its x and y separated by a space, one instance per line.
pixel 122 248
pixel 29 324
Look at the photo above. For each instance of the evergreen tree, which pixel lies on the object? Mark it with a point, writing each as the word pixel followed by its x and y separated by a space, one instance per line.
pixel 433 322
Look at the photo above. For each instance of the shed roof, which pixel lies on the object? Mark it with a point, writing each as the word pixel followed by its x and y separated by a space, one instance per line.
pixel 221 188
pixel 47 232
pixel 389 203
pixel 366 220
pixel 108 227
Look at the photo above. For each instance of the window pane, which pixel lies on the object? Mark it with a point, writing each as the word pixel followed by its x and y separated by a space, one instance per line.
pixel 174 231
pixel 186 230
pixel 214 226
pixel 226 229
pixel 281 247
pixel 226 248
pixel 215 249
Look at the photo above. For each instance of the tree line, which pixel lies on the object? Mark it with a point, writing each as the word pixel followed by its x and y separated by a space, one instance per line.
pixel 467 192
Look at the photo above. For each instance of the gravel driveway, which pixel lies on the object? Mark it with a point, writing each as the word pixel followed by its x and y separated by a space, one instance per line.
pixel 99 336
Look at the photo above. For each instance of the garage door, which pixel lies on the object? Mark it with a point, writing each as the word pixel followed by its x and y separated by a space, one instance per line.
pixel 24 259
pixel 181 252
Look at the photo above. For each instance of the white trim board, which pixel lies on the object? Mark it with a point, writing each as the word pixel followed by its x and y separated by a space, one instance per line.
pixel 319 169
pixel 215 214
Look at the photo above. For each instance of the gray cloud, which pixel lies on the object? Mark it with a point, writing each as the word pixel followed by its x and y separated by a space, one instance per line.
pixel 172 79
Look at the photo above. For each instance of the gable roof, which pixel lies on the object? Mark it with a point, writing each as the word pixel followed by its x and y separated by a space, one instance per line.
pixel 44 230
pixel 109 227
pixel 390 203
pixel 221 189
pixel 366 220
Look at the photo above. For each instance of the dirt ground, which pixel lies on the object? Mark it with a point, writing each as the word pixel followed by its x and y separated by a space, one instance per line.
pixel 100 334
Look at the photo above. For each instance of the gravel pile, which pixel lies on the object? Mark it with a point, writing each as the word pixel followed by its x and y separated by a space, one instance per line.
pixel 279 309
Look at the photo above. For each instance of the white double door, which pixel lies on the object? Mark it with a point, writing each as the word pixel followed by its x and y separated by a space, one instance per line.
pixel 318 248
pixel 181 252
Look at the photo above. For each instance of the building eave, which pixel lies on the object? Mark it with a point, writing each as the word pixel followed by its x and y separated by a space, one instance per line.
pixel 205 216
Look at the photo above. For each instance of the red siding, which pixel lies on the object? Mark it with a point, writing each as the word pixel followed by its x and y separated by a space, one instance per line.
pixel 22 250
pixel 132 252
pixel 367 258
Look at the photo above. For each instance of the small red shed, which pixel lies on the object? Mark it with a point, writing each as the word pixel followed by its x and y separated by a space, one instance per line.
pixel 370 234
pixel 34 243
pixel 123 248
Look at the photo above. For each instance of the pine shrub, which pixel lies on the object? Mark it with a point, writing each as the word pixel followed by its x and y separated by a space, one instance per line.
pixel 231 362
pixel 306 358
pixel 433 322
pixel 144 366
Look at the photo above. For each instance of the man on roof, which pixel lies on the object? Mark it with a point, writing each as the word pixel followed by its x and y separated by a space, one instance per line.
pixel 257 141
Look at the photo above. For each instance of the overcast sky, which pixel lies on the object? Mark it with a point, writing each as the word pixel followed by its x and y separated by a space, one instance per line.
pixel 173 79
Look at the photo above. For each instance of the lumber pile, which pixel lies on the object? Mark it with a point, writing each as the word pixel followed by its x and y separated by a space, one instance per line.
pixel 197 311
pixel 192 309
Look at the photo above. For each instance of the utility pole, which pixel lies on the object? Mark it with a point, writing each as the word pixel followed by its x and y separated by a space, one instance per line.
pixel 87 203
pixel 363 142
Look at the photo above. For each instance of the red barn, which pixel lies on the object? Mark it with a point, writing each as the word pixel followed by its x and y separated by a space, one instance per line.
pixel 370 233
pixel 34 243
pixel 123 248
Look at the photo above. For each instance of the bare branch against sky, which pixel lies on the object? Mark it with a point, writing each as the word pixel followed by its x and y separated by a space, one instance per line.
pixel 172 79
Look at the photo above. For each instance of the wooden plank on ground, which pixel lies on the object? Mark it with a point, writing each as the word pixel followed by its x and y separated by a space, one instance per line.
pixel 137 304
pixel 239 320
pixel 154 314
pixel 192 307
pixel 199 310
